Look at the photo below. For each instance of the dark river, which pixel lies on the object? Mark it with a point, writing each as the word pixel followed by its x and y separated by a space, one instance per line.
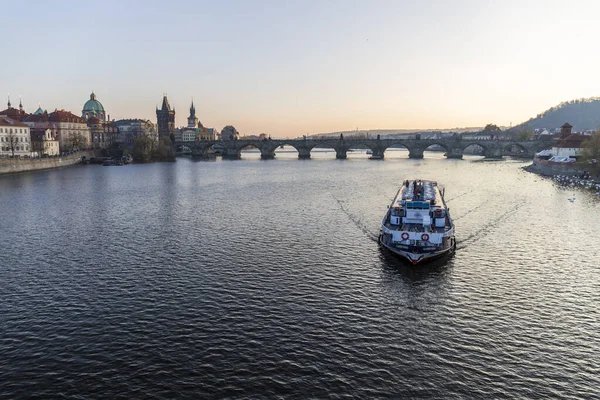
pixel 263 279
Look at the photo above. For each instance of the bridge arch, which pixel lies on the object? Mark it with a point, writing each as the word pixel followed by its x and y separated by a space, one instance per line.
pixel 395 149
pixel 352 146
pixel 474 149
pixel 281 152
pixel 248 147
pixel 510 147
pixel 320 149
pixel 434 148
pixel 205 149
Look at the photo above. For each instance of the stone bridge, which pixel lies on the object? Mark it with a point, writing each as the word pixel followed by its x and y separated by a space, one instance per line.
pixel 454 147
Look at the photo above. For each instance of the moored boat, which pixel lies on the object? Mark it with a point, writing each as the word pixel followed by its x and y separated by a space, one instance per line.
pixel 417 225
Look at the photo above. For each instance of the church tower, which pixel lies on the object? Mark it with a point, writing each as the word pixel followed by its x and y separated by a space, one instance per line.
pixel 165 119
pixel 192 120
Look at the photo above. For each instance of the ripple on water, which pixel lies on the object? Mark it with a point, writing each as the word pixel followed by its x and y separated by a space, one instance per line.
pixel 261 280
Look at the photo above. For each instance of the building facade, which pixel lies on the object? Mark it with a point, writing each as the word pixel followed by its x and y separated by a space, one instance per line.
pixel 131 129
pixel 165 118
pixel 71 131
pixel 49 144
pixel 15 139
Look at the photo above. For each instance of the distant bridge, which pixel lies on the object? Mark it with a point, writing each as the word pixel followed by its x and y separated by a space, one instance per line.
pixel 454 147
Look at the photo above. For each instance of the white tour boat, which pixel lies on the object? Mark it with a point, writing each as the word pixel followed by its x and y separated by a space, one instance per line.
pixel 417 225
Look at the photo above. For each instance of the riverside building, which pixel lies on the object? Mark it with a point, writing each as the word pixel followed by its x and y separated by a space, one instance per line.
pixel 71 130
pixel 16 114
pixel 15 138
pixel 131 129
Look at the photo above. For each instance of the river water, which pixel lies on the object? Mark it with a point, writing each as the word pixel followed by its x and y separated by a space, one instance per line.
pixel 262 279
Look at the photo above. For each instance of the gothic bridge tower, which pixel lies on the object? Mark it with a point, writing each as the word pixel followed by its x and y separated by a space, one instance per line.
pixel 165 119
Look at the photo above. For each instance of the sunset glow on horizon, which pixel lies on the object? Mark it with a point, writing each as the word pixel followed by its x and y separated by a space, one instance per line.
pixel 305 67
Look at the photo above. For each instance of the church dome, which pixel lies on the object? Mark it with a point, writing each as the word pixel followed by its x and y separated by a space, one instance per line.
pixel 93 105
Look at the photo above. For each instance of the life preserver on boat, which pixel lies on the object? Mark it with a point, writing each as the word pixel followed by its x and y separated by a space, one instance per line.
pixel 405 235
pixel 425 237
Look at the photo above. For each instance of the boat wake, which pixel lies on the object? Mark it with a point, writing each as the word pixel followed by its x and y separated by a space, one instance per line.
pixel 456 197
pixel 470 211
pixel 357 222
pixel 484 230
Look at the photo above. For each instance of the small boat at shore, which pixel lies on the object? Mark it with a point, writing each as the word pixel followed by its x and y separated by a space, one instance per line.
pixel 417 225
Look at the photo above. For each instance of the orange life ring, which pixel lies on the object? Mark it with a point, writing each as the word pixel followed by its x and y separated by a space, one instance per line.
pixel 405 235
pixel 425 237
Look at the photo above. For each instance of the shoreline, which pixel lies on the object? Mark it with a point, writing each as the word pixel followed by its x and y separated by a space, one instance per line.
pixel 10 166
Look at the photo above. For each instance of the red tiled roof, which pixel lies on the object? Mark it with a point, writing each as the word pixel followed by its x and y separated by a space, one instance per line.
pixel 36 118
pixel 14 113
pixel 6 121
pixel 572 141
pixel 65 116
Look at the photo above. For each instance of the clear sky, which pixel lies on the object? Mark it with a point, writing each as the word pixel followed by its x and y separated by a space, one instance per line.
pixel 288 68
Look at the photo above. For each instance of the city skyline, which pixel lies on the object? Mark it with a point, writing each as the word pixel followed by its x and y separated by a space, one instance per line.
pixel 304 67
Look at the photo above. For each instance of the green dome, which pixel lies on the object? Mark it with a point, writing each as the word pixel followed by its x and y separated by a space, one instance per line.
pixel 93 105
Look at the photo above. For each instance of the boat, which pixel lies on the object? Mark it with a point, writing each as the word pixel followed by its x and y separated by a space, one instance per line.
pixel 370 152
pixel 417 225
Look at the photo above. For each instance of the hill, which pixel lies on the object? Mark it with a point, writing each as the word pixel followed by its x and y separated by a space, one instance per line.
pixel 583 114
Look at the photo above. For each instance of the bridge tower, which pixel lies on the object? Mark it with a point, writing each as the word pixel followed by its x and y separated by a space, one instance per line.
pixel 165 118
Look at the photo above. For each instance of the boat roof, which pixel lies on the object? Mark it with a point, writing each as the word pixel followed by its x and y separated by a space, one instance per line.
pixel 420 194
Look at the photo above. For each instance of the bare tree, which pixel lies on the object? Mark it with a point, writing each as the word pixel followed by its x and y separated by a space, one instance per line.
pixel 76 141
pixel 13 139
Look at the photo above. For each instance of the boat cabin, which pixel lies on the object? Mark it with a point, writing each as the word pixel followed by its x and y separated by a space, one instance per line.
pixel 416 205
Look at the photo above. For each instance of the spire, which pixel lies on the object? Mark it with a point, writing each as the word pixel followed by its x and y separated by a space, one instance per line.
pixel 20 104
pixel 192 109
pixel 93 96
pixel 9 100
pixel 165 103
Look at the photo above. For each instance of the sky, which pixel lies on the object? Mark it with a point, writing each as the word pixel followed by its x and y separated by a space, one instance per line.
pixel 288 68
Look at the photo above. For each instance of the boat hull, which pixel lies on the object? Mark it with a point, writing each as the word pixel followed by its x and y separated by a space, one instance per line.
pixel 416 257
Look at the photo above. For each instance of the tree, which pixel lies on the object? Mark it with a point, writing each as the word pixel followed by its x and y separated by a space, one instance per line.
pixel 38 147
pixel 75 141
pixel 525 134
pixel 147 149
pixel 164 150
pixel 591 151
pixel 143 146
pixel 13 139
pixel 491 129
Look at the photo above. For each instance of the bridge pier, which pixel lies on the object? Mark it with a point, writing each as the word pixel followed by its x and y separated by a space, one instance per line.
pixel 304 154
pixel 267 156
pixel 377 155
pixel 415 153
pixel 494 153
pixel 341 154
pixel 455 153
pixel 203 156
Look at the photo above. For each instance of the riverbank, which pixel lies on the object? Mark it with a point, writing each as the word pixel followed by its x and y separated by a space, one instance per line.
pixel 16 165
pixel 550 168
